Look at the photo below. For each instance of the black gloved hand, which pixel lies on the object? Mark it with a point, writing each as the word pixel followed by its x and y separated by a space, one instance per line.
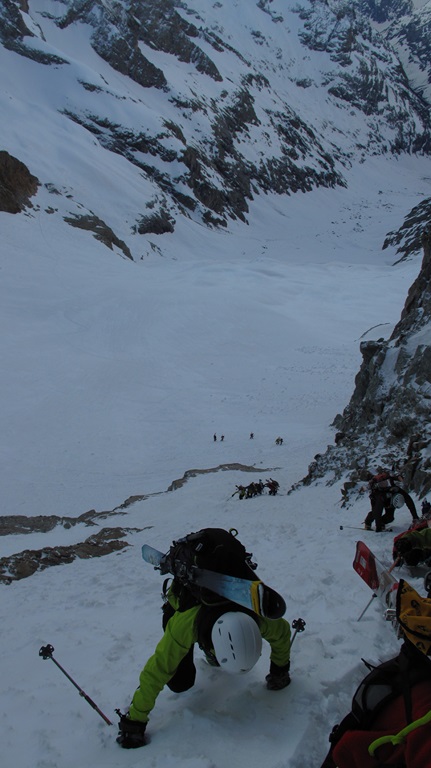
pixel 413 557
pixel 402 546
pixel 278 677
pixel 131 733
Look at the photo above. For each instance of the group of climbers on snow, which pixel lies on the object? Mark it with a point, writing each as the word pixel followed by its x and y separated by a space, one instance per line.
pixel 278 440
pixel 256 489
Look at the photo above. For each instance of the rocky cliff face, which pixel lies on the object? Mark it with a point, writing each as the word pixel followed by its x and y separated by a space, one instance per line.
pixel 366 67
pixel 387 422
pixel 408 30
pixel 410 34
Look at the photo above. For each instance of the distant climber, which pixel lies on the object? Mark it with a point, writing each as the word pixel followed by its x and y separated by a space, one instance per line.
pixel 240 490
pixel 272 486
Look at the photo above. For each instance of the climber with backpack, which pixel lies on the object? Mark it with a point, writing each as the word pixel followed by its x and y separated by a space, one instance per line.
pixel 390 720
pixel 386 495
pixel 229 636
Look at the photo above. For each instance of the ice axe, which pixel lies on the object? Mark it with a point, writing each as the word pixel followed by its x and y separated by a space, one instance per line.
pixel 298 625
pixel 46 653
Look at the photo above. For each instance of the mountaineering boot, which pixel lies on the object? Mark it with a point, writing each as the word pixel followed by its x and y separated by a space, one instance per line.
pixel 278 677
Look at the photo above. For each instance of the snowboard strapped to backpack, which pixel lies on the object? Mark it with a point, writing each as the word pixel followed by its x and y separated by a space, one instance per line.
pixel 211 548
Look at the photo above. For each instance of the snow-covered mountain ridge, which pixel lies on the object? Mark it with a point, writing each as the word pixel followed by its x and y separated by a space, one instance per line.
pixel 203 107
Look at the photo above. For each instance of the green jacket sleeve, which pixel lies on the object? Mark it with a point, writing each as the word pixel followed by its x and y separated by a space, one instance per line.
pixel 422 538
pixel 277 633
pixel 179 636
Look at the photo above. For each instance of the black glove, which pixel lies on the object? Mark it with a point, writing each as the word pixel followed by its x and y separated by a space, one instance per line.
pixel 402 546
pixel 278 677
pixel 413 556
pixel 131 733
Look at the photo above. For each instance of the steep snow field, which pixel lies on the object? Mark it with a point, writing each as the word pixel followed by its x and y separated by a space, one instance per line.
pixel 115 376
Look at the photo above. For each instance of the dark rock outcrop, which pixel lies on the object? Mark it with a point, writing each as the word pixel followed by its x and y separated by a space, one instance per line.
pixel 409 237
pixel 24 564
pixel 15 524
pixel 17 184
pixel 100 230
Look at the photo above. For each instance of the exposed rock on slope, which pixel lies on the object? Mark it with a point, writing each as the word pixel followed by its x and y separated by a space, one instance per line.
pixel 17 184
pixel 408 238
pixel 24 564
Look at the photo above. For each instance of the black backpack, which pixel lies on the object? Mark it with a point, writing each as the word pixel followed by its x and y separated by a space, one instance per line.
pixel 382 685
pixel 213 549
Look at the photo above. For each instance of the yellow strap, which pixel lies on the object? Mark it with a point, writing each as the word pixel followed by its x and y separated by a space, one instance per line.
pixel 400 736
pixel 255 597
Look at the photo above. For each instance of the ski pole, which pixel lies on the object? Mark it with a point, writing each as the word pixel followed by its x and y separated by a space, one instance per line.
pixel 298 625
pixel 352 527
pixel 46 653
pixel 394 564
pixel 366 607
pixel 358 528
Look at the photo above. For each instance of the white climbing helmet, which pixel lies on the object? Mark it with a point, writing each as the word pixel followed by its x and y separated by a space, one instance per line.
pixel 237 642
pixel 398 500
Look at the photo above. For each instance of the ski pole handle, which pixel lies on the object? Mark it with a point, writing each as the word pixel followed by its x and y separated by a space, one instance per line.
pixel 46 653
pixel 298 625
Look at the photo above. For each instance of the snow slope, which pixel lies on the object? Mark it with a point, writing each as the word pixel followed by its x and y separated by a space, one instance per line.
pixel 115 376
